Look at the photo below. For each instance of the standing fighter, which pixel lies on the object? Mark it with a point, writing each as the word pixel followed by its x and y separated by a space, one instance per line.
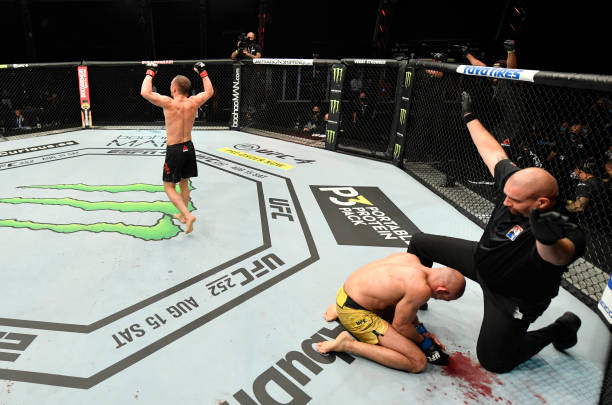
pixel 396 285
pixel 519 260
pixel 179 112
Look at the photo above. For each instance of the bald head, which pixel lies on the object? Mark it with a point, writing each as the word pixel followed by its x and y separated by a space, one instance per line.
pixel 447 283
pixel 536 182
pixel 528 189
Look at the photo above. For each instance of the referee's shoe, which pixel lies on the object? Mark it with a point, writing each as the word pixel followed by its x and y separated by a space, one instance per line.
pixel 568 336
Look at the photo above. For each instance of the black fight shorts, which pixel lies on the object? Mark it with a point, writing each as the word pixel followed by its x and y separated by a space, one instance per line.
pixel 180 162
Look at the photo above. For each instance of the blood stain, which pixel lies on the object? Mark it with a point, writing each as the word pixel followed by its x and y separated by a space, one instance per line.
pixel 540 397
pixel 478 380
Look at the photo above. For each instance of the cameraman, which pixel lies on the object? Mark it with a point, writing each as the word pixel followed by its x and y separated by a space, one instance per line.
pixel 247 47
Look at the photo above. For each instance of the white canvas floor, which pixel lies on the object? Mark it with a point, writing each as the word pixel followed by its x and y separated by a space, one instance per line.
pixel 106 301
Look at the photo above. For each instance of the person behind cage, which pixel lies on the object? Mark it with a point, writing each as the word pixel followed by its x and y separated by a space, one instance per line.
pixel 315 122
pixel 393 287
pixel 518 262
pixel 506 95
pixel 557 164
pixel 362 117
pixel 510 62
pixel 589 189
pixel 19 121
pixel 247 48
pixel 5 100
pixel 438 57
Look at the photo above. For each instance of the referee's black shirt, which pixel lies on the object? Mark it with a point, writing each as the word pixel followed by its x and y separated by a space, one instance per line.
pixel 507 259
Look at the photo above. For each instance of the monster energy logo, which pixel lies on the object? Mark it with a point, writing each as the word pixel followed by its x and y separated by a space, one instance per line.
pixel 338 74
pixel 407 80
pixel 402 116
pixel 331 136
pixel 334 106
pixel 396 151
pixel 163 229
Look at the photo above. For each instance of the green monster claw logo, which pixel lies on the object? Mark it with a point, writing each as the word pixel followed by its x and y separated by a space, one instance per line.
pixel 407 79
pixel 331 136
pixel 334 106
pixel 396 151
pixel 163 229
pixel 338 74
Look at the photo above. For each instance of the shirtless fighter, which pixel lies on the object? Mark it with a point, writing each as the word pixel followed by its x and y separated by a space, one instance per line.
pixel 398 282
pixel 179 112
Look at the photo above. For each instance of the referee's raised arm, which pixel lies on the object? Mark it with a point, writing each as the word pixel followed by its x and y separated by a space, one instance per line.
pixel 489 149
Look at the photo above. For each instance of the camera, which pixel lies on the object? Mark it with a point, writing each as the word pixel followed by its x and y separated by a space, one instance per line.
pixel 243 41
pixel 440 56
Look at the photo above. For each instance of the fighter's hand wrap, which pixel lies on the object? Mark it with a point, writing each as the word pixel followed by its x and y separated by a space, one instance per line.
pixel 421 328
pixel 466 108
pixel 151 69
pixel 509 45
pixel 433 352
pixel 549 227
pixel 200 67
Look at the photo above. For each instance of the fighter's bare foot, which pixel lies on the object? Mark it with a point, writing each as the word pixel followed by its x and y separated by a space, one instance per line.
pixel 189 222
pixel 338 345
pixel 330 314
pixel 180 217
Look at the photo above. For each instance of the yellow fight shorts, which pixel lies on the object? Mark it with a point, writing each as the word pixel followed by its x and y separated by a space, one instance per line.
pixel 365 325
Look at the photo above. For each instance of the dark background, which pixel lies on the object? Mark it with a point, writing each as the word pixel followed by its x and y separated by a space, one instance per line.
pixel 549 36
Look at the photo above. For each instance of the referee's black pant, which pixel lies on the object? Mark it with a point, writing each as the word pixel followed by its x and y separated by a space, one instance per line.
pixel 503 342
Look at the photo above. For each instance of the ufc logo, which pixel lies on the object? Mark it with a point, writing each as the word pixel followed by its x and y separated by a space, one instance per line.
pixel 434 356
pixel 15 342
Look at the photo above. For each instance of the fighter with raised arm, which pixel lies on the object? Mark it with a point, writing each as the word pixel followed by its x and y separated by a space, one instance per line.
pixel 179 113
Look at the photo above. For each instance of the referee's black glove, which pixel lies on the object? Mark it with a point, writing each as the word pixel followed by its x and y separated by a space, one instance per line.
pixel 466 108
pixel 549 227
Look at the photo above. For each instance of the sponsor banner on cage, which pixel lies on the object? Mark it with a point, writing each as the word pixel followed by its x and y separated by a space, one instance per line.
pixel 363 216
pixel 14 66
pixel 235 116
pixel 83 84
pixel 84 96
pixel 370 61
pixel 605 304
pixel 158 62
pixel 497 73
pixel 288 62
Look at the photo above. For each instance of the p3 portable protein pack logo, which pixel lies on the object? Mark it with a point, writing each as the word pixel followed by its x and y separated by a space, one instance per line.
pixel 363 216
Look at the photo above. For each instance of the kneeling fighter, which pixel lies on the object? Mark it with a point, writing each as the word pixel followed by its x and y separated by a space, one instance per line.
pixel 396 283
pixel 179 112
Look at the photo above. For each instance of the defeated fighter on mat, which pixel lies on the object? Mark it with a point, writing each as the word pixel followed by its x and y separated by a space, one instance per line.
pixel 179 111
pixel 392 288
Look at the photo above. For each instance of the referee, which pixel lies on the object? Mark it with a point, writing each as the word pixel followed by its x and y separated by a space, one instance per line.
pixel 519 260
